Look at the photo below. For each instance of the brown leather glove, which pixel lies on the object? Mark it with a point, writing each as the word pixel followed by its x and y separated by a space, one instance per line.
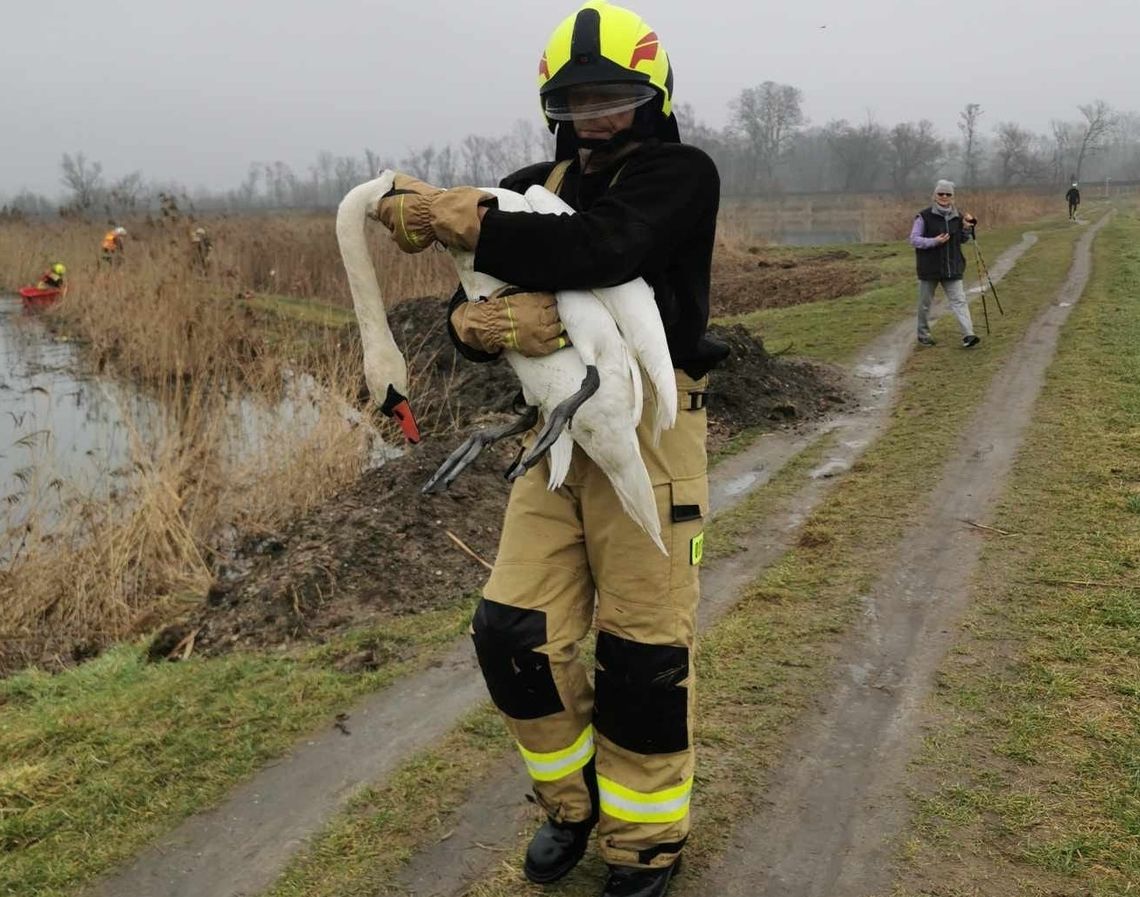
pixel 510 318
pixel 419 214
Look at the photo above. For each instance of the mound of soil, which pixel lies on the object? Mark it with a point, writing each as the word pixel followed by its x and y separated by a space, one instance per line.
pixel 378 547
pixel 381 548
pixel 744 281
pixel 754 389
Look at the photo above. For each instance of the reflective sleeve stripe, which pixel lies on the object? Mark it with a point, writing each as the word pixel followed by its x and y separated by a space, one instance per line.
pixel 553 766
pixel 670 805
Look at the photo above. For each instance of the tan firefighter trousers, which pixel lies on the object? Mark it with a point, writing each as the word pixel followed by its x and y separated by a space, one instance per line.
pixel 571 558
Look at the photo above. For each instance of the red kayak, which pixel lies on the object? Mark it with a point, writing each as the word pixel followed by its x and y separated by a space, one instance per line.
pixel 36 297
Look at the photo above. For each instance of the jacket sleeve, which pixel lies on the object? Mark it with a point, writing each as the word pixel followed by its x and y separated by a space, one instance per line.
pixel 654 203
pixel 917 240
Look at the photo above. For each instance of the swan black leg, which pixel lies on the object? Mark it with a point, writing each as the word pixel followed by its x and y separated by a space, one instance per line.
pixel 458 460
pixel 560 419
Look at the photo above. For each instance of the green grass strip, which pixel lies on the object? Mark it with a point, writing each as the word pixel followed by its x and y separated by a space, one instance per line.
pixel 811 330
pixel 101 759
pixel 1032 774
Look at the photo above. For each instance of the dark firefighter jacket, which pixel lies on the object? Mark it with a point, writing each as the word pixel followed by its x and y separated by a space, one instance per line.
pixel 652 214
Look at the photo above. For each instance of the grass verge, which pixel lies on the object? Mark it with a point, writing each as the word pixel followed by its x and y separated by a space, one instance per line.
pixel 103 758
pixel 762 664
pixel 1031 772
pixel 834 331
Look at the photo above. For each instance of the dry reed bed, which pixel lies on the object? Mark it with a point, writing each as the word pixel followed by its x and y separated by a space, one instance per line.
pixel 83 569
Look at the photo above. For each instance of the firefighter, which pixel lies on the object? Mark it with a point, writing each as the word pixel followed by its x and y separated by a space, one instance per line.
pixel 53 277
pixel 617 755
pixel 111 250
pixel 201 247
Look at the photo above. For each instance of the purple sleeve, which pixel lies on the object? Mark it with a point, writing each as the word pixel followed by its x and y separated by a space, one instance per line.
pixel 917 240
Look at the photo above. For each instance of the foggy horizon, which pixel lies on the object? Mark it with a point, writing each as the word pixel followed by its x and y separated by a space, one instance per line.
pixel 195 94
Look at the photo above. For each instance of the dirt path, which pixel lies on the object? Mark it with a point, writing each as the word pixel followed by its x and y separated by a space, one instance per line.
pixel 836 805
pixel 241 846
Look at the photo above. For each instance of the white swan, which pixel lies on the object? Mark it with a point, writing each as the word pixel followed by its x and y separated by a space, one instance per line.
pixel 632 307
pixel 598 367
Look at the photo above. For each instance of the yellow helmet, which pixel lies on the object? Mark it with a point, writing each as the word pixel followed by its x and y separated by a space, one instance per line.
pixel 58 268
pixel 614 51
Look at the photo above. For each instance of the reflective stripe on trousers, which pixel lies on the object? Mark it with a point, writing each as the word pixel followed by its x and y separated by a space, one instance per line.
pixel 670 805
pixel 550 767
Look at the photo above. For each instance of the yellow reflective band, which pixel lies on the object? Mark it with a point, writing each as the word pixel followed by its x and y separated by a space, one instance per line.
pixel 562 342
pixel 557 764
pixel 670 805
pixel 696 549
pixel 513 337
pixel 408 235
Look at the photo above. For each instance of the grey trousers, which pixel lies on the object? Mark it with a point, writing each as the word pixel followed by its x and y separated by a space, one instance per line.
pixel 955 295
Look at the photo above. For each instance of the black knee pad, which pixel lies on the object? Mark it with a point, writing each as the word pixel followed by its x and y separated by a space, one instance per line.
pixel 639 702
pixel 518 676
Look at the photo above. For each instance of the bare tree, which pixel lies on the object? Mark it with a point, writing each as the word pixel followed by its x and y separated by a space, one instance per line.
pixel 1015 157
pixel 1065 135
pixel 419 163
pixel 126 192
pixel 859 152
pixel 768 116
pixel 445 167
pixel 968 124
pixel 84 179
pixel 347 174
pixel 1100 120
pixel 373 164
pixel 915 149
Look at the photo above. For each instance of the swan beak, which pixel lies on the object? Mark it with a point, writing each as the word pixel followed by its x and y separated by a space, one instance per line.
pixel 396 405
pixel 407 421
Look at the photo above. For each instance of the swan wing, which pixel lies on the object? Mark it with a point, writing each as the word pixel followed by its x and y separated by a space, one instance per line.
pixel 638 319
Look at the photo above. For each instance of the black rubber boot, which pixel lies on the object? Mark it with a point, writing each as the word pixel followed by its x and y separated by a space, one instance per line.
pixel 555 849
pixel 638 881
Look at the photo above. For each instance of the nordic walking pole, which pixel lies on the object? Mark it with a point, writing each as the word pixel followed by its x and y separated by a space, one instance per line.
pixel 985 311
pixel 985 270
pixel 982 286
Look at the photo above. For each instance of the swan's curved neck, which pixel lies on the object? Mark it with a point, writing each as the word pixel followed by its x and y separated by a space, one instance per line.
pixel 381 354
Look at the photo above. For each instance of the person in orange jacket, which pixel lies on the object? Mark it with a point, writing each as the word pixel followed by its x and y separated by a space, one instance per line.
pixel 112 248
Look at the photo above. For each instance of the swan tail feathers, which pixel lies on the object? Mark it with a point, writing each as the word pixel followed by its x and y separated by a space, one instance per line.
pixel 635 492
pixel 664 383
pixel 559 460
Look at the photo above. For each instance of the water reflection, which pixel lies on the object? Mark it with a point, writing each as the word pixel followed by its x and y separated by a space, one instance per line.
pixel 62 425
pixel 53 421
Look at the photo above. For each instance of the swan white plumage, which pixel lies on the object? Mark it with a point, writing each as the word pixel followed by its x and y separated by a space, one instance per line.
pixel 385 370
pixel 605 426
pixel 632 307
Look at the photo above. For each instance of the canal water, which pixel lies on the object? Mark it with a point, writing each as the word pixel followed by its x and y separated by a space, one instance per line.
pixel 63 425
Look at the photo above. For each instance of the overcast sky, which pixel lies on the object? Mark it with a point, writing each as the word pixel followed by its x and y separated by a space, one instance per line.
pixel 195 91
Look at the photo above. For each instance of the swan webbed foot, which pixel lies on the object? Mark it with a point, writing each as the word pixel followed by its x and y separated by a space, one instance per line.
pixel 462 457
pixel 560 419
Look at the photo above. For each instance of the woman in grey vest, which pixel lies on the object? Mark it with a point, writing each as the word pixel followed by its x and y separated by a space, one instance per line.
pixel 937 237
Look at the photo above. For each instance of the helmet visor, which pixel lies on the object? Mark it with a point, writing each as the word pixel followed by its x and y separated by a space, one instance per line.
pixel 586 101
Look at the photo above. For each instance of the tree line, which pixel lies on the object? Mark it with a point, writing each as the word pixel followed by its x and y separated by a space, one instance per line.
pixel 767 148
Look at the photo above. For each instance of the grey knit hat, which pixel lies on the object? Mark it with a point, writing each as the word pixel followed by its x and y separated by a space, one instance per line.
pixel 944 186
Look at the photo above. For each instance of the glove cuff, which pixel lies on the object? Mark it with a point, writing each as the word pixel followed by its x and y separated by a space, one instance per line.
pixel 471 353
pixel 455 216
